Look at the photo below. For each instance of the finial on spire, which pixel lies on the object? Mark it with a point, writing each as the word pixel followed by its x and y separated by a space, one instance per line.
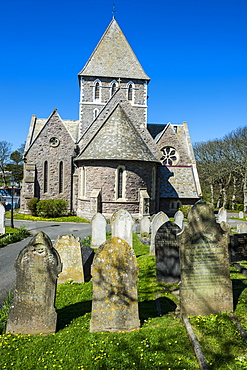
pixel 113 10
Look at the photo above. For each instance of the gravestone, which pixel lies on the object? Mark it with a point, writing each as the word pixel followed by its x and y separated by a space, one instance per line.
pixel 242 228
pixel 158 220
pixel 121 225
pixel 167 254
pixel 238 247
pixel 222 215
pixel 179 219
pixel 98 225
pixel 2 219
pixel 37 267
pixel 206 287
pixel 145 225
pixel 87 260
pixel 114 276
pixel 241 214
pixel 69 249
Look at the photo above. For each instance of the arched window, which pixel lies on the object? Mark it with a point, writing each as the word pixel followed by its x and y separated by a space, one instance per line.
pixel 130 92
pixel 97 90
pixel 60 175
pixel 45 177
pixel 120 183
pixel 113 88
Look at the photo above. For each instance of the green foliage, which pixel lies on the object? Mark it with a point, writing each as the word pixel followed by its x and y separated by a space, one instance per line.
pixel 52 208
pixel 20 234
pixel 239 207
pixel 185 210
pixel 4 309
pixel 32 205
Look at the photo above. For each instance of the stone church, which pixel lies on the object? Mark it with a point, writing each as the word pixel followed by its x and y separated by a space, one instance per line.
pixel 110 158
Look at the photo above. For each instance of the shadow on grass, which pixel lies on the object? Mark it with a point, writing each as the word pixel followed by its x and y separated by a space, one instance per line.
pixel 66 314
pixel 154 308
pixel 237 288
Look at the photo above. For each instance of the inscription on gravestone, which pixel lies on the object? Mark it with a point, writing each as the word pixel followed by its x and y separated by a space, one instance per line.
pixel 114 276
pixel 37 268
pixel 167 254
pixel 158 220
pixel 238 247
pixel 206 287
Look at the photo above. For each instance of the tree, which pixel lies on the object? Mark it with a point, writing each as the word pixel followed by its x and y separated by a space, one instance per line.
pixel 5 151
pixel 16 168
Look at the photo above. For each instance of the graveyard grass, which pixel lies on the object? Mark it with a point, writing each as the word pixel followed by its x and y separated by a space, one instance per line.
pixel 161 342
pixel 20 216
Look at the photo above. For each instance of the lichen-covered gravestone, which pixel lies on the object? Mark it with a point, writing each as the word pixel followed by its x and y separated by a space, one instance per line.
pixel 242 228
pixel 37 268
pixel 121 225
pixel 158 220
pixel 98 225
pixel 114 276
pixel 2 219
pixel 206 287
pixel 167 254
pixel 69 249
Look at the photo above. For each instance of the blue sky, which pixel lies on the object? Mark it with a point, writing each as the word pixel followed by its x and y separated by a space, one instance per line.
pixel 194 51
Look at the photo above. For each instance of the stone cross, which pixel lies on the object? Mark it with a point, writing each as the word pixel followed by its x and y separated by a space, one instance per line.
pixel 121 225
pixel 158 220
pixel 167 254
pixel 98 225
pixel 37 268
pixel 114 276
pixel 69 249
pixel 206 287
pixel 2 219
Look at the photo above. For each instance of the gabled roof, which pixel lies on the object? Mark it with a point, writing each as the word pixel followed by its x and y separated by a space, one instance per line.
pixel 38 124
pixel 114 57
pixel 117 133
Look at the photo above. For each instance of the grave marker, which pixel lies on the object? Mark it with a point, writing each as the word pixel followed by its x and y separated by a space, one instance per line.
pixel 98 225
pixel 206 287
pixel 242 228
pixel 121 225
pixel 167 254
pixel 222 215
pixel 2 219
pixel 37 267
pixel 69 249
pixel 145 225
pixel 179 219
pixel 158 220
pixel 241 214
pixel 114 276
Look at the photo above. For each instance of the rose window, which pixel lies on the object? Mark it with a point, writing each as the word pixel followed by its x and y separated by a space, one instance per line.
pixel 170 156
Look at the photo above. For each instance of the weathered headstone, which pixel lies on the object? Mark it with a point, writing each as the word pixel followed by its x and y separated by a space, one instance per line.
pixel 2 219
pixel 242 228
pixel 114 276
pixel 37 267
pixel 241 214
pixel 145 225
pixel 167 254
pixel 87 260
pixel 206 287
pixel 238 247
pixel 121 225
pixel 69 249
pixel 179 219
pixel 158 220
pixel 98 225
pixel 222 215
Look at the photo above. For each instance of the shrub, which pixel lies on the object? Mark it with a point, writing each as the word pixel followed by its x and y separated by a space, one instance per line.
pixel 239 207
pixel 32 205
pixel 52 208
pixel 185 210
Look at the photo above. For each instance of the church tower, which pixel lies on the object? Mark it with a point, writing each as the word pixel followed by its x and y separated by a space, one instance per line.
pixel 111 66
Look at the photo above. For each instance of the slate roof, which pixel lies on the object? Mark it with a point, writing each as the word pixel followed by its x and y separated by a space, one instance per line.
pixel 114 57
pixel 117 133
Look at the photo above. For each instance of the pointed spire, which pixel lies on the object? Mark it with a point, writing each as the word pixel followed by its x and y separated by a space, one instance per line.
pixel 114 57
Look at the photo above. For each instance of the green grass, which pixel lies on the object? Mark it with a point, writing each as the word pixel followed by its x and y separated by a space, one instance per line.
pixel 13 235
pixel 20 216
pixel 161 342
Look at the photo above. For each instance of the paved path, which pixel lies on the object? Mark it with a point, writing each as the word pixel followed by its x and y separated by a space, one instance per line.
pixel 9 253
